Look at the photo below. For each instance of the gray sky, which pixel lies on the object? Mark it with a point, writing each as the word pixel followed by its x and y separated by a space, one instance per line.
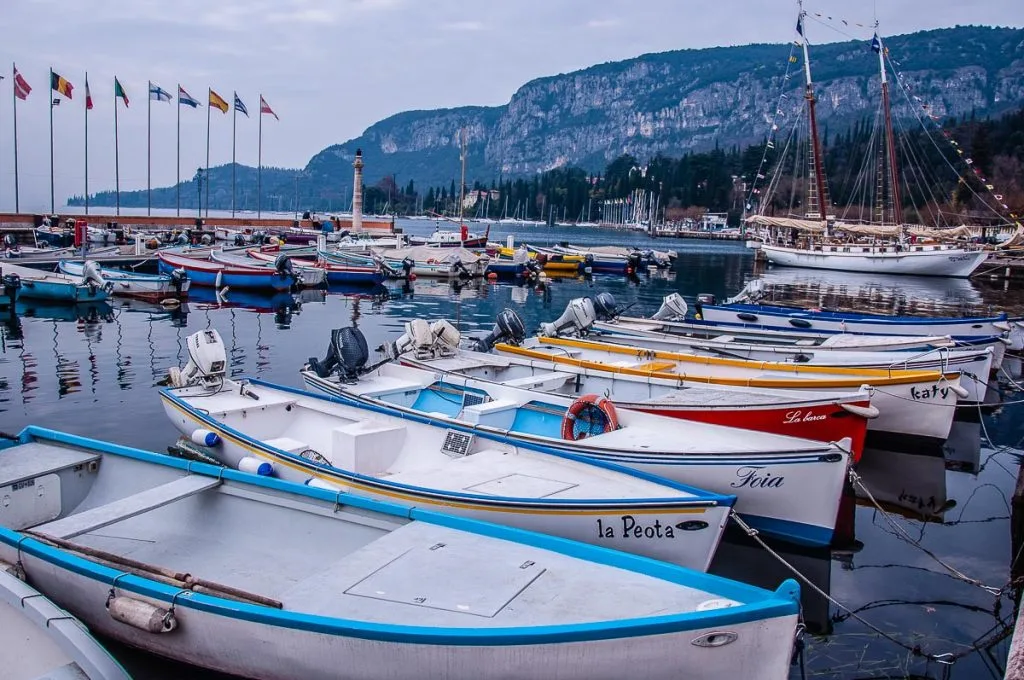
pixel 330 68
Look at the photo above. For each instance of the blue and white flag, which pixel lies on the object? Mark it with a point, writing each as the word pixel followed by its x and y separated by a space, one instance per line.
pixel 240 107
pixel 185 99
pixel 158 93
pixel 876 43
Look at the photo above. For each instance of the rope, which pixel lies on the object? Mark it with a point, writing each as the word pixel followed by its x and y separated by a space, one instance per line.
pixel 856 481
pixel 944 658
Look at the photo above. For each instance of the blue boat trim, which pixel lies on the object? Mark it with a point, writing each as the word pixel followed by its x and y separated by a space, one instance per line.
pixel 781 311
pixel 762 604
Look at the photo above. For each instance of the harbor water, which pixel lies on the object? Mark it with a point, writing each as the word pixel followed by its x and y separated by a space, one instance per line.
pixel 94 370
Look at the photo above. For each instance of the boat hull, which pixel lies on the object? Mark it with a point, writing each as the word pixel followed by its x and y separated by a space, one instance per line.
pixel 603 523
pixel 955 262
pixel 144 286
pixel 59 291
pixel 217 275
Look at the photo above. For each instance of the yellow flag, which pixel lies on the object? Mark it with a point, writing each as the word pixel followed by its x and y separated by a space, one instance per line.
pixel 217 102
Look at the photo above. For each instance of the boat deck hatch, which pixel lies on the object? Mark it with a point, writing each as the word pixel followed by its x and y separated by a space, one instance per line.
pixel 521 486
pixel 444 577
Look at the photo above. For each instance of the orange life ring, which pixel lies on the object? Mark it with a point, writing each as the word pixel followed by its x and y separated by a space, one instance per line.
pixel 591 410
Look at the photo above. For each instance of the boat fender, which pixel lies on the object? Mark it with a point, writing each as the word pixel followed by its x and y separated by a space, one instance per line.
pixel 170 302
pixel 868 412
pixel 219 280
pixel 318 483
pixel 204 437
pixel 745 316
pixel 589 410
pixel 959 391
pixel 142 615
pixel 800 323
pixel 255 466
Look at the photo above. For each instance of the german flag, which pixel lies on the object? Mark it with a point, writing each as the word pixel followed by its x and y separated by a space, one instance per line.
pixel 61 84
pixel 217 102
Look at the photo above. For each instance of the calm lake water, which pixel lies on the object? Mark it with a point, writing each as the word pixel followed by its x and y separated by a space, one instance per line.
pixel 95 370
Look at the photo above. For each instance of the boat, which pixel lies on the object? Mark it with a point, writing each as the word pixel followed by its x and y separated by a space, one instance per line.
pixel 336 273
pixel 41 285
pixel 135 284
pixel 409 461
pixel 463 238
pixel 203 272
pixel 762 471
pixel 260 578
pixel 40 640
pixel 309 277
pixel 419 260
pixel 873 235
pixel 662 259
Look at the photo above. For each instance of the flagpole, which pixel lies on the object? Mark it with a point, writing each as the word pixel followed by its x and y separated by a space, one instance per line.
pixel 117 159
pixel 234 122
pixel 86 142
pixel 209 91
pixel 14 97
pixel 52 207
pixel 259 164
pixel 178 185
pixel 149 147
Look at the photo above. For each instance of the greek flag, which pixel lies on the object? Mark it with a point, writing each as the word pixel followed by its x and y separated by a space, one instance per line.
pixel 240 107
pixel 158 93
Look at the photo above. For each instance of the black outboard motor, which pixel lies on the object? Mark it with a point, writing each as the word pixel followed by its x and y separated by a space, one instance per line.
pixel 633 262
pixel 533 269
pixel 10 241
pixel 178 279
pixel 605 306
pixel 283 266
pixel 588 263
pixel 460 268
pixel 239 240
pixel 508 328
pixel 407 265
pixel 648 258
pixel 11 284
pixel 347 354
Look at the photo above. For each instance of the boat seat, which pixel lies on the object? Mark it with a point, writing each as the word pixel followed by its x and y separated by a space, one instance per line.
pixel 725 338
pixel 124 508
pixel 544 381
pixel 498 413
pixel 656 366
pixel 287 444
pixel 367 447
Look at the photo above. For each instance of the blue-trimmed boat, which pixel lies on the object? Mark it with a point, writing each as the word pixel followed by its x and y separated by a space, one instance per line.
pixel 261 578
pixel 135 284
pixel 203 272
pixel 369 274
pixel 40 285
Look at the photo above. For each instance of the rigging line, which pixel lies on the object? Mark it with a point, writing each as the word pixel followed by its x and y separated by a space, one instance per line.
pixel 835 28
pixel 917 166
pixel 775 119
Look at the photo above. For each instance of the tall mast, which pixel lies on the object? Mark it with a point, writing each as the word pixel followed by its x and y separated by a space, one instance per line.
pixel 462 183
pixel 890 140
pixel 820 200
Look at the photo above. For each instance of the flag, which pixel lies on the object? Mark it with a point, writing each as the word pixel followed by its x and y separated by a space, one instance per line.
pixel 185 99
pixel 119 92
pixel 88 95
pixel 800 24
pixel 793 59
pixel 265 108
pixel 21 87
pixel 240 107
pixel 158 93
pixel 216 101
pixel 61 84
pixel 876 44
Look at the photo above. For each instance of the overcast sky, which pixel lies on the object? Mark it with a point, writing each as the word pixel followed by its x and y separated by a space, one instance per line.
pixel 331 68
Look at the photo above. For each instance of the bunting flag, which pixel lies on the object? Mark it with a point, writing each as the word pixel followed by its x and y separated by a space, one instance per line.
pixel 800 24
pixel 793 59
pixel 61 84
pixel 876 44
pixel 119 92
pixel 185 99
pixel 21 87
pixel 158 93
pixel 265 108
pixel 88 96
pixel 217 102
pixel 240 107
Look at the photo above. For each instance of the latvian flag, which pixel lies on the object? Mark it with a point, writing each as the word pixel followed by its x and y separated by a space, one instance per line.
pixel 21 87
pixel 265 108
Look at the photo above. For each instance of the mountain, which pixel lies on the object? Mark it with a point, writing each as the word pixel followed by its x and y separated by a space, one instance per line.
pixel 674 102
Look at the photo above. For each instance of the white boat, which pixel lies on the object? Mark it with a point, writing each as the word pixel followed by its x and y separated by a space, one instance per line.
pixel 132 284
pixel 259 578
pixel 786 486
pixel 915 260
pixel 41 641
pixel 412 462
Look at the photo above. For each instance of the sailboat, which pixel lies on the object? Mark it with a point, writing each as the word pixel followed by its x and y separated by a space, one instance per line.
pixel 818 240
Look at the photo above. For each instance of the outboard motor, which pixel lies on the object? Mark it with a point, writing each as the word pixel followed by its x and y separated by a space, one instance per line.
pixel 182 239
pixel 239 240
pixel 178 279
pixel 673 308
pixel 533 269
pixel 347 354
pixel 753 292
pixel 407 265
pixel 283 266
pixel 10 241
pixel 425 340
pixel 605 306
pixel 457 266
pixel 633 261
pixel 578 317
pixel 91 277
pixel 207 361
pixel 588 263
pixel 508 328
pixel 647 257
pixel 11 284
pixel 707 299
pixel 206 239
